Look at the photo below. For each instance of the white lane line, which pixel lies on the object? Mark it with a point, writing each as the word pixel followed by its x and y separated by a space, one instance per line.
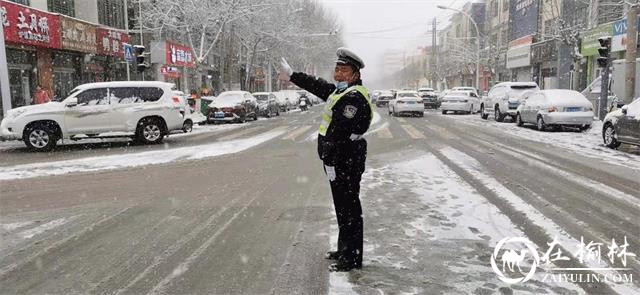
pixel 30 233
pixel 239 133
pixel 477 171
pixel 539 162
pixel 137 159
pixel 385 133
pixel 15 225
pixel 443 132
pixel 295 133
pixel 413 132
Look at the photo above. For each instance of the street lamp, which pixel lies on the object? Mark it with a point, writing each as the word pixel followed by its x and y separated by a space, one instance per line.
pixel 477 41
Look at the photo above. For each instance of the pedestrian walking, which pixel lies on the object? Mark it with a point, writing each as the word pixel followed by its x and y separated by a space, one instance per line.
pixel 343 150
pixel 41 96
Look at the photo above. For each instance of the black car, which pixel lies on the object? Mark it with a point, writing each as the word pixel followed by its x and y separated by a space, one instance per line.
pixel 431 101
pixel 622 126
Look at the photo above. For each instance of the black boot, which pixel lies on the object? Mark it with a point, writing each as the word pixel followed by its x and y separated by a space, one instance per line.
pixel 332 255
pixel 341 266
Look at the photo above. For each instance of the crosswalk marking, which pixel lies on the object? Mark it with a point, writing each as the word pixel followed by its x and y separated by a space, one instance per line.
pixel 238 134
pixel 413 132
pixel 297 132
pixel 384 133
pixel 401 120
pixel 444 132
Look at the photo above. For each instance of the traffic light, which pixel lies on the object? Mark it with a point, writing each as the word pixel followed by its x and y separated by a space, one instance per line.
pixel 140 58
pixel 604 50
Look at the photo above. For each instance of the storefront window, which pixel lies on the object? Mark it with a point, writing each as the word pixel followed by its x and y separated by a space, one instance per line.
pixel 65 7
pixel 22 76
pixel 66 73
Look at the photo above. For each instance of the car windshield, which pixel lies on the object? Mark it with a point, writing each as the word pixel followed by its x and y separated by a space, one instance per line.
pixel 261 97
pixel 407 95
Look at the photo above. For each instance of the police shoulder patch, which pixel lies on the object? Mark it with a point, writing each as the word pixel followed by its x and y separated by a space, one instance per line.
pixel 350 111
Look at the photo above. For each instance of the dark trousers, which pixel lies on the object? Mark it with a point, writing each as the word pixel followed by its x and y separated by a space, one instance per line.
pixel 346 198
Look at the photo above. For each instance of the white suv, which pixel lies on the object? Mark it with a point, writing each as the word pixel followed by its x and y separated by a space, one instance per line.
pixel 146 111
pixel 504 98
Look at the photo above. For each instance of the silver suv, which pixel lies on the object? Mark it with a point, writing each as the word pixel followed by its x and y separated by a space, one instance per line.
pixel 504 98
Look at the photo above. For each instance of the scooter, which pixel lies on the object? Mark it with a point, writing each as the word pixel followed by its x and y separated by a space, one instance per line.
pixel 303 105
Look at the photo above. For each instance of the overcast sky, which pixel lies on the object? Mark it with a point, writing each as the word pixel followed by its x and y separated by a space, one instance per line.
pixel 372 27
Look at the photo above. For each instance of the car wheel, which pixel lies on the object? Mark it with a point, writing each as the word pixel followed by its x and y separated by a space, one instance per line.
pixel 519 120
pixel 584 128
pixel 609 136
pixel 187 126
pixel 540 124
pixel 444 112
pixel 149 132
pixel 278 112
pixel 40 138
pixel 482 114
pixel 498 116
pixel 421 114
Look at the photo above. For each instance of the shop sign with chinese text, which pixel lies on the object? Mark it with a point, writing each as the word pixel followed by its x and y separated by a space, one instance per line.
pixel 179 55
pixel 110 42
pixel 78 35
pixel 25 25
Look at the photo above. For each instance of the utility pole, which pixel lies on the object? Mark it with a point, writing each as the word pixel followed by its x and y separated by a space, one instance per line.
pixel 4 75
pixel 434 54
pixel 126 28
pixel 604 61
pixel 630 55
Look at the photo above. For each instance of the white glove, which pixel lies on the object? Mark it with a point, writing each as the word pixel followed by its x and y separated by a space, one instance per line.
pixel 331 172
pixel 285 70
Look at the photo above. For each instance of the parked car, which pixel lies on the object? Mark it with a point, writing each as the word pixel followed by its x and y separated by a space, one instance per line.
pixel 384 98
pixel 622 126
pixel 268 106
pixel 429 98
pixel 460 101
pixel 465 88
pixel 555 107
pixel 233 106
pixel 145 111
pixel 504 98
pixel 283 101
pixel 406 102
pixel 293 97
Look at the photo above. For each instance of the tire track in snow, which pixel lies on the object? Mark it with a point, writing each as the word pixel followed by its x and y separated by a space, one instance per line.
pixel 530 214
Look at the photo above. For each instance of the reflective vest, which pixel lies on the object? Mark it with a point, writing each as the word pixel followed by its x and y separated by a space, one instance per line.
pixel 333 100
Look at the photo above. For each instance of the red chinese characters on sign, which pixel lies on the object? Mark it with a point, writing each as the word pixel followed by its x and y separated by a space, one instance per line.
pixel 25 25
pixel 179 55
pixel 110 42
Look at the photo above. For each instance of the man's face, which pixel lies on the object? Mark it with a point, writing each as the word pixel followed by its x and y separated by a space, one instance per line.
pixel 343 73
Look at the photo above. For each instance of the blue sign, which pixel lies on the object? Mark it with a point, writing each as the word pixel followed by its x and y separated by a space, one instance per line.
pixel 128 53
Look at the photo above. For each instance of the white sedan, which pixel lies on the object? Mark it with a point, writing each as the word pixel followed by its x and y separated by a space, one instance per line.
pixel 460 101
pixel 555 107
pixel 406 102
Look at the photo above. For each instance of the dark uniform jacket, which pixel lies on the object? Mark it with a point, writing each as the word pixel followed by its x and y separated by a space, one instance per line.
pixel 336 147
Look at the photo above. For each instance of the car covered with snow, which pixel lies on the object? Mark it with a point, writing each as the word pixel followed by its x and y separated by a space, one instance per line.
pixel 146 111
pixel 555 108
pixel 406 102
pixel 622 126
pixel 268 105
pixel 384 98
pixel 233 106
pixel 504 98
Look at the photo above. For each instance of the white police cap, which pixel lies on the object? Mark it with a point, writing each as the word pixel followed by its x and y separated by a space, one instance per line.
pixel 347 57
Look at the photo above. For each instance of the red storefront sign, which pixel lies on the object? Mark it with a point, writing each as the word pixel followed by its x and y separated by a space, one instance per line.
pixel 25 25
pixel 110 42
pixel 170 72
pixel 179 55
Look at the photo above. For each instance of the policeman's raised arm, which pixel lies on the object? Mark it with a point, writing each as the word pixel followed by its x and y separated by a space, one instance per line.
pixel 318 86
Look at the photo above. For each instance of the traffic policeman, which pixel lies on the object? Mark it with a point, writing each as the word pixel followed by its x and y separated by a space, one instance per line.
pixel 343 150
